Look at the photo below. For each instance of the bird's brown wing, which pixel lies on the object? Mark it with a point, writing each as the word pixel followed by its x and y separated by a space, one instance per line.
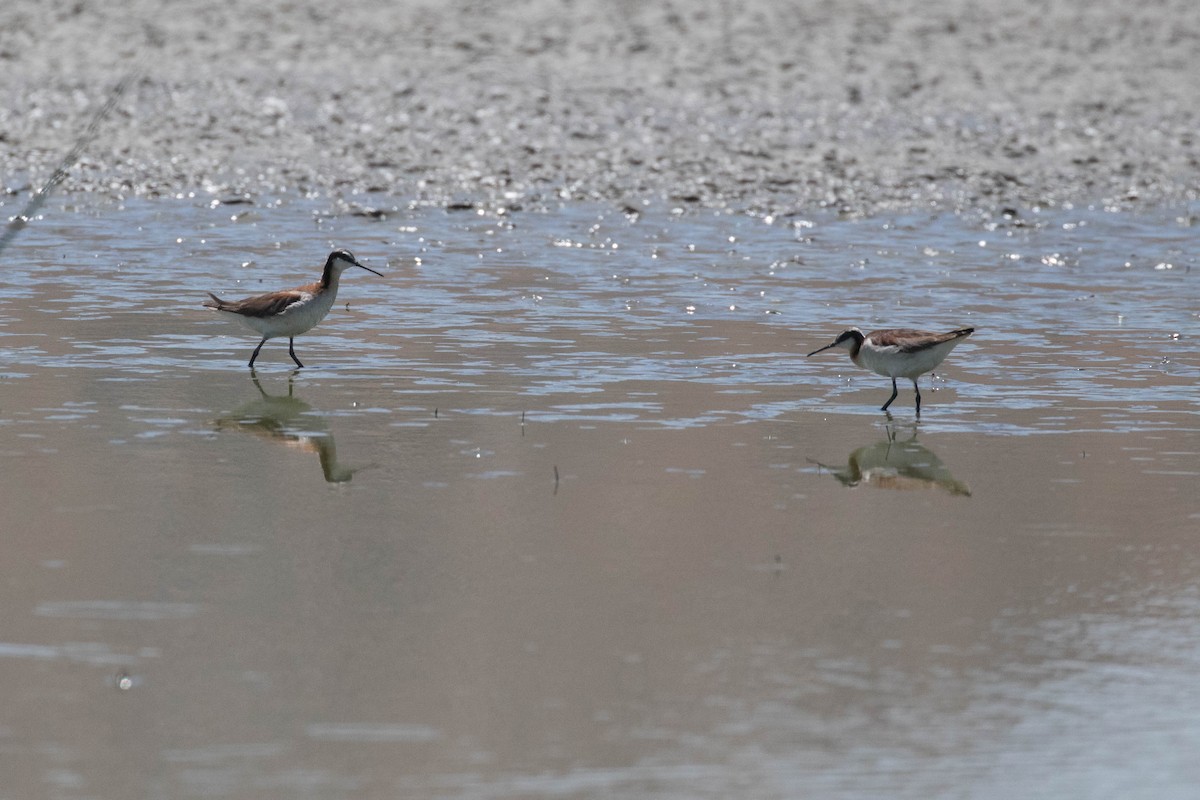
pixel 933 339
pixel 912 341
pixel 265 305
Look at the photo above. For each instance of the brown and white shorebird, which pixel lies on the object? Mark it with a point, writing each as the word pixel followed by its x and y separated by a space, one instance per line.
pixel 898 353
pixel 290 312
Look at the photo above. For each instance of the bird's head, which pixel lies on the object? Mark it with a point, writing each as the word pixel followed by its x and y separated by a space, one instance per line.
pixel 340 260
pixel 847 339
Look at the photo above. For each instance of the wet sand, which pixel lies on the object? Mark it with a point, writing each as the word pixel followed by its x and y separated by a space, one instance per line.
pixel 757 105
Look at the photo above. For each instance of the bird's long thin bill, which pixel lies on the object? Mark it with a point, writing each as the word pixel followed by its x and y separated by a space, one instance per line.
pixel 821 349
pixel 368 269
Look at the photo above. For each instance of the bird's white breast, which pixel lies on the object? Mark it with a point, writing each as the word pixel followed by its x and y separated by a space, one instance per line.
pixel 297 318
pixel 891 362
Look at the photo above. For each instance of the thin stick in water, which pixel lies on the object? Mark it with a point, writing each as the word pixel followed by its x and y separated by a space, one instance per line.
pixel 60 172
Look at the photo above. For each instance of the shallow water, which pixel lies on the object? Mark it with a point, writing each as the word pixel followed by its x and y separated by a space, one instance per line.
pixel 560 509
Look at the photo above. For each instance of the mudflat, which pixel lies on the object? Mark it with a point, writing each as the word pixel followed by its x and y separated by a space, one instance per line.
pixel 755 105
pixel 558 506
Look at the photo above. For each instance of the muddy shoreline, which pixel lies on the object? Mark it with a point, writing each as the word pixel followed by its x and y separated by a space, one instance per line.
pixel 753 106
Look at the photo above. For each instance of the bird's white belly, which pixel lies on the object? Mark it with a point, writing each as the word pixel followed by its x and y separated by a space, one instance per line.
pixel 297 318
pixel 892 363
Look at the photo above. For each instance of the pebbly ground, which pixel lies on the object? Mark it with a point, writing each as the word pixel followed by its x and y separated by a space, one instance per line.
pixel 769 107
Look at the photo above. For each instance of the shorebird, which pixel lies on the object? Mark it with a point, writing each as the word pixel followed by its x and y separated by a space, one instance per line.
pixel 290 312
pixel 898 353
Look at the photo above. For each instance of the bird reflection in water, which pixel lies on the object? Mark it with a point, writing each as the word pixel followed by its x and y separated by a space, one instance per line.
pixel 895 464
pixel 290 420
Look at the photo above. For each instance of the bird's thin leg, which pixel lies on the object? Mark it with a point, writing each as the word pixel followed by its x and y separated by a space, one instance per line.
pixel 917 389
pixel 292 353
pixel 254 355
pixel 895 392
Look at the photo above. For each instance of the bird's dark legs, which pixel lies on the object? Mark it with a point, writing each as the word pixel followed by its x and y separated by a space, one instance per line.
pixel 254 355
pixel 895 392
pixel 292 353
pixel 917 389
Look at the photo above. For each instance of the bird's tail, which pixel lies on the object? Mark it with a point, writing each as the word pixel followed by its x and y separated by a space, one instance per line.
pixel 216 302
pixel 961 332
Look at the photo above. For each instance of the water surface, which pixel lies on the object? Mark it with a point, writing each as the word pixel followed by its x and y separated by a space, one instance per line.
pixel 560 509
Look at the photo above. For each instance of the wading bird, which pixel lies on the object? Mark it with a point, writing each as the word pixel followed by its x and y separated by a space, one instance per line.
pixel 290 312
pixel 898 353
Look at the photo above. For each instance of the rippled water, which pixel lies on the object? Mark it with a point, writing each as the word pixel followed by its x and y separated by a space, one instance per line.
pixel 560 509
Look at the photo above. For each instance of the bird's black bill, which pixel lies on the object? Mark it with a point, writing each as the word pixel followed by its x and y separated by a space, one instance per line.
pixel 820 349
pixel 368 269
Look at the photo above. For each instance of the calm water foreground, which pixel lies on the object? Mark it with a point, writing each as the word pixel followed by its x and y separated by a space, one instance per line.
pixel 559 508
